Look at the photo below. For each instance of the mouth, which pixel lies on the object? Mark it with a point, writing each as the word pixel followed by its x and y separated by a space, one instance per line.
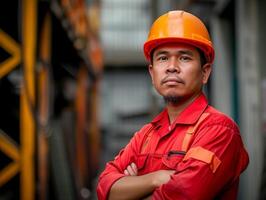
pixel 172 80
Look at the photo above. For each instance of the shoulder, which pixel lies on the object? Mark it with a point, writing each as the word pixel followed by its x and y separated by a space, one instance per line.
pixel 140 136
pixel 219 128
pixel 143 130
pixel 218 118
pixel 219 134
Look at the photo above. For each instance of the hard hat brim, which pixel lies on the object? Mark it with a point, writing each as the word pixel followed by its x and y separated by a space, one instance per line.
pixel 151 45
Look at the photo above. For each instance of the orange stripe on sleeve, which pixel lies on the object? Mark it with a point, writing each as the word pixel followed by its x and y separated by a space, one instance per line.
pixel 204 155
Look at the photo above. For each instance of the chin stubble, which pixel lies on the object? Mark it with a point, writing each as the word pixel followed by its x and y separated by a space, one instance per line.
pixel 172 99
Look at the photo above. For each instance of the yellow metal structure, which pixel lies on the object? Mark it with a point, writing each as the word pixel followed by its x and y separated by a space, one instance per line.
pixel 10 45
pixel 27 135
pixel 23 157
pixel 29 158
pixel 8 147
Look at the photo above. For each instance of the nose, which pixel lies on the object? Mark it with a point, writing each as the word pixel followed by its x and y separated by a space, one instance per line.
pixel 173 66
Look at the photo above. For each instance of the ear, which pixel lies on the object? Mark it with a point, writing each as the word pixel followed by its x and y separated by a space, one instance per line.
pixel 206 72
pixel 151 71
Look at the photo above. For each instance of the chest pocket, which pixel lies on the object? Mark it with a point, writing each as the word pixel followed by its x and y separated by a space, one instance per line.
pixel 152 162
pixel 148 162
pixel 172 159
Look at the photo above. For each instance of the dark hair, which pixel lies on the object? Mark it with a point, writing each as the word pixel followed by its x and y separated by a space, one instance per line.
pixel 203 59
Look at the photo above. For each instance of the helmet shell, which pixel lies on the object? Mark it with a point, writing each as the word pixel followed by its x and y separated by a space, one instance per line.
pixel 179 27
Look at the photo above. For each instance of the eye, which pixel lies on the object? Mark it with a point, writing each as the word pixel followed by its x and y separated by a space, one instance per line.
pixel 162 58
pixel 185 58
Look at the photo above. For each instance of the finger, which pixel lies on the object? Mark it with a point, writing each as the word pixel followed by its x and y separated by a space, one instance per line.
pixel 130 170
pixel 126 172
pixel 134 168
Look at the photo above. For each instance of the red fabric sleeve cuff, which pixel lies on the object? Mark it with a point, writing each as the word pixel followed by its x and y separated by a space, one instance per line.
pixel 105 184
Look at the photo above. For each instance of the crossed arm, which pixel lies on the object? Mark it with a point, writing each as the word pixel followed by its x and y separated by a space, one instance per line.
pixel 133 186
pixel 120 180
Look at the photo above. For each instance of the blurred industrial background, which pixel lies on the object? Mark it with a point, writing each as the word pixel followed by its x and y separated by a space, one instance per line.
pixel 75 87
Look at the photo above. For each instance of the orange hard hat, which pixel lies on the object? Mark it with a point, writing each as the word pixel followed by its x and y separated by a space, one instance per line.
pixel 179 26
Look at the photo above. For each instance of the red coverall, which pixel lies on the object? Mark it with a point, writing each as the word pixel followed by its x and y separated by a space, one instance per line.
pixel 208 160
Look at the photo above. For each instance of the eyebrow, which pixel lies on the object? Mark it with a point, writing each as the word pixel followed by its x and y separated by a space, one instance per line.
pixel 186 52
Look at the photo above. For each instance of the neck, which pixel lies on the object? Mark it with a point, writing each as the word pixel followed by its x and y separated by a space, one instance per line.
pixel 174 110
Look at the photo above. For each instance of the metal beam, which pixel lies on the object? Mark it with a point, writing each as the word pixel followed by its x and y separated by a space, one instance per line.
pixel 27 126
pixel 10 45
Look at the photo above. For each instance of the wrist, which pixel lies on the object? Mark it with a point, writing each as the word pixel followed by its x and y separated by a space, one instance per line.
pixel 155 181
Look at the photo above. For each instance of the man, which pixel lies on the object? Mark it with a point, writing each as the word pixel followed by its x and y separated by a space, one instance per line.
pixel 190 150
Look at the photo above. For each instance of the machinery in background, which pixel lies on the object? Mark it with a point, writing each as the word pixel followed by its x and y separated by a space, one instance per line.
pixel 50 68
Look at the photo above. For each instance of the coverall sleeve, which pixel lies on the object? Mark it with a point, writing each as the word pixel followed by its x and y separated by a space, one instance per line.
pixel 203 179
pixel 114 170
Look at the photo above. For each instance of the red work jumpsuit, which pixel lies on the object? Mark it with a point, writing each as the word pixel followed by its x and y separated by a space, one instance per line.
pixel 203 146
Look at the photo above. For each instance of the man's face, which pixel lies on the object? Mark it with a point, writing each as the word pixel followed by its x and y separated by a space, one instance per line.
pixel 176 71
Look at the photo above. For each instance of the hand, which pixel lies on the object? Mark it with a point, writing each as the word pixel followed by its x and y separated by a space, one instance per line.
pixel 134 186
pixel 131 170
pixel 161 177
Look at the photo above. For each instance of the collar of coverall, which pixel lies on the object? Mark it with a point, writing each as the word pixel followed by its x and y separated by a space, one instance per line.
pixel 188 116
